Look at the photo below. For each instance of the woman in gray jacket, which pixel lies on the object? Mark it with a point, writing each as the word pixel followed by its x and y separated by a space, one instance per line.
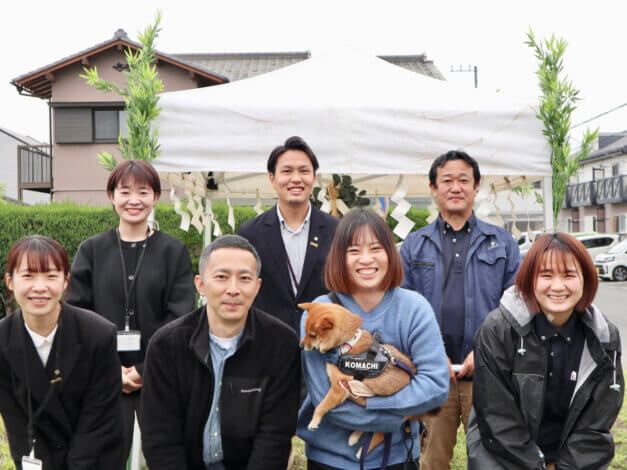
pixel 548 377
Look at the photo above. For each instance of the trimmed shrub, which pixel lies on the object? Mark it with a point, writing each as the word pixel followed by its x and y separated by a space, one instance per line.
pixel 71 224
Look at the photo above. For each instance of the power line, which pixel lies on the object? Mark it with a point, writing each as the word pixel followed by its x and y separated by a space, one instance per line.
pixel 599 115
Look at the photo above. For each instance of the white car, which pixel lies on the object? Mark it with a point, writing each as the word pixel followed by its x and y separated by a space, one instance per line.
pixel 597 243
pixel 524 242
pixel 613 264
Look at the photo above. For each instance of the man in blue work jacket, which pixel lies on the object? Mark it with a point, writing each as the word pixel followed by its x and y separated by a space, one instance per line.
pixel 462 266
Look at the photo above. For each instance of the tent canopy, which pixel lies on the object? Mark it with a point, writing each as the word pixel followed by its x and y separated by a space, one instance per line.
pixel 361 115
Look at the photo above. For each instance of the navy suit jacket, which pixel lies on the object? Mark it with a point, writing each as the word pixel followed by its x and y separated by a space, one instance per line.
pixel 276 295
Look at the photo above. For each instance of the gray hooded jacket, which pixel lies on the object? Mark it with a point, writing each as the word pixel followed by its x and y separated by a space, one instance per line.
pixel 508 393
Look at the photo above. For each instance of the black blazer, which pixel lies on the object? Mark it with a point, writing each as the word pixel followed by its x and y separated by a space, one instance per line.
pixel 276 295
pixel 80 427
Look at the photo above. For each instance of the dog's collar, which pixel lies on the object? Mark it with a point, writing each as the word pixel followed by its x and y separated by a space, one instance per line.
pixel 346 347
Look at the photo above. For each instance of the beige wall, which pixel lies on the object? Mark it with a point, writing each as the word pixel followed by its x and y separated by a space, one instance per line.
pixel 77 174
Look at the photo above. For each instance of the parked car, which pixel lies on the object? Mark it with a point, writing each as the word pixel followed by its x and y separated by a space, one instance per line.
pixel 524 242
pixel 598 243
pixel 613 264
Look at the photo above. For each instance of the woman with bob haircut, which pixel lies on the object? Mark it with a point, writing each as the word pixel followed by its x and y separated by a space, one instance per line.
pixel 364 272
pixel 59 369
pixel 134 276
pixel 548 375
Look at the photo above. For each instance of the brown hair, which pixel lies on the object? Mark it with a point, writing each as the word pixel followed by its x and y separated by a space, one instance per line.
pixel 134 170
pixel 558 246
pixel 39 251
pixel 348 232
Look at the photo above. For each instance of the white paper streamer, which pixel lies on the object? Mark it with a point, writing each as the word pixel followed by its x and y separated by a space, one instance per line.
pixel 405 224
pixel 177 210
pixel 258 208
pixel 322 197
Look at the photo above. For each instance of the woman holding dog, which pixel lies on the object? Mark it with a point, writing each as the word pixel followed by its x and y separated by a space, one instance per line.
pixel 548 376
pixel 134 276
pixel 364 271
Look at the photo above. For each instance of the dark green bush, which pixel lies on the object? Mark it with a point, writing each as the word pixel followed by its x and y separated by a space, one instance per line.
pixel 71 224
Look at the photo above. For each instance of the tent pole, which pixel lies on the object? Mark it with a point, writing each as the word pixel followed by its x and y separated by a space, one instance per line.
pixel 547 196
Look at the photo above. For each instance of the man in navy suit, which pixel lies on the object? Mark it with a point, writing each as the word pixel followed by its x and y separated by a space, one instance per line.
pixel 293 237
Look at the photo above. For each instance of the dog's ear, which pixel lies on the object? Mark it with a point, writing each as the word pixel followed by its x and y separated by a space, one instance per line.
pixel 326 323
pixel 305 305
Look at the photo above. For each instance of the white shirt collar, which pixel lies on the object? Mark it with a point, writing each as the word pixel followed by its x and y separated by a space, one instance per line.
pixel 39 340
pixel 284 225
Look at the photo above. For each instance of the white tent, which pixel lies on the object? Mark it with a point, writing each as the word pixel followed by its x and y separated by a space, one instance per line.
pixel 361 115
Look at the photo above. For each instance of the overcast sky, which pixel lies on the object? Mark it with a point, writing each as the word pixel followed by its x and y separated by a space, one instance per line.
pixel 488 34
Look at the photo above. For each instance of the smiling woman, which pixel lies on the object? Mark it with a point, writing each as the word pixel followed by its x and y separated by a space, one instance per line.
pixel 547 368
pixel 136 277
pixel 59 371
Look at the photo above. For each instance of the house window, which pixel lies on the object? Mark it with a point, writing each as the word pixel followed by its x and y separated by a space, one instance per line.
pixel 87 124
pixel 108 123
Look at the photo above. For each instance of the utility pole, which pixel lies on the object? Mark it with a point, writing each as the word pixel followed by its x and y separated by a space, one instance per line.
pixel 470 68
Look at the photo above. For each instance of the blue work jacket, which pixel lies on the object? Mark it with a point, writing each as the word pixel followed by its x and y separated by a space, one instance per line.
pixel 492 260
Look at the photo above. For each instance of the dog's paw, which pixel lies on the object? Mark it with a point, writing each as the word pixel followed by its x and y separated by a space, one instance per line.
pixel 358 454
pixel 313 425
pixel 354 438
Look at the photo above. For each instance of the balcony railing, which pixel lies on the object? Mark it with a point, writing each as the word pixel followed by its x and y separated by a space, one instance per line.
pixel 582 194
pixel 604 191
pixel 612 190
pixel 34 168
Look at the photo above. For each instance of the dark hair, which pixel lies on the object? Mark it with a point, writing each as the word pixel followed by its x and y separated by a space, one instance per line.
pixel 449 156
pixel 293 143
pixel 136 170
pixel 559 246
pixel 348 232
pixel 39 251
pixel 228 241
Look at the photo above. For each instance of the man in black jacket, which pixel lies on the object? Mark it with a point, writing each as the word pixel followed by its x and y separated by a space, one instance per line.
pixel 293 237
pixel 221 384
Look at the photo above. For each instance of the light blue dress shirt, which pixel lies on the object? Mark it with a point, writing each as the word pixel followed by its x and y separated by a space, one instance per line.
pixel 212 453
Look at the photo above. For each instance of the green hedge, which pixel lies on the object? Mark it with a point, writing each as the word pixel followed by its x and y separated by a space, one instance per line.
pixel 70 224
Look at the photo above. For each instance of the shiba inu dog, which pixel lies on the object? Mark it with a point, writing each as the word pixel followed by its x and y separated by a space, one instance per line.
pixel 366 368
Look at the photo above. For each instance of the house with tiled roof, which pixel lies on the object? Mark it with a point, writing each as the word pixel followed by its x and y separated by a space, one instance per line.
pixel 597 198
pixel 86 121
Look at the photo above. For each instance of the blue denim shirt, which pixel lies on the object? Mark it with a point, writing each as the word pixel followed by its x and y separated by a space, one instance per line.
pixel 492 260
pixel 212 453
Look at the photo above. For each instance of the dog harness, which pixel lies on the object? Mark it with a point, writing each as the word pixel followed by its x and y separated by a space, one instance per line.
pixel 367 364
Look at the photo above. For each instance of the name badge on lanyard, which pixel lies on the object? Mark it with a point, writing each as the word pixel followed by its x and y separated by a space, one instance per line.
pixel 31 463
pixel 129 340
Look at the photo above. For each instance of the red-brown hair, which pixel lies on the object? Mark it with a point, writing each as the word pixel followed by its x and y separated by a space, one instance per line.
pixel 138 171
pixel 39 251
pixel 558 247
pixel 350 229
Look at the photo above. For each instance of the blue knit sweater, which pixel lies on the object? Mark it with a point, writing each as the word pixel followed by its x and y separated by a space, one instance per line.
pixel 405 320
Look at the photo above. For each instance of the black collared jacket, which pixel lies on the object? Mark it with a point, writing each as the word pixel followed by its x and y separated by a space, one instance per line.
pixel 258 406
pixel 508 393
pixel 276 295
pixel 164 286
pixel 80 427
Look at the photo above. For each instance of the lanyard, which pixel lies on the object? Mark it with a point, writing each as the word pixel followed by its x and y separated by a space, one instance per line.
pixel 128 290
pixel 30 427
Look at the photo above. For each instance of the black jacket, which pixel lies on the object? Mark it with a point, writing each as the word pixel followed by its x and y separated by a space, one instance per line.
pixel 80 427
pixel 276 295
pixel 508 393
pixel 256 427
pixel 164 286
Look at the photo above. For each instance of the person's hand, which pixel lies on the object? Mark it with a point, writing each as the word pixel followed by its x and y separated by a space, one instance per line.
pixel 468 366
pixel 550 466
pixel 451 374
pixel 131 380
